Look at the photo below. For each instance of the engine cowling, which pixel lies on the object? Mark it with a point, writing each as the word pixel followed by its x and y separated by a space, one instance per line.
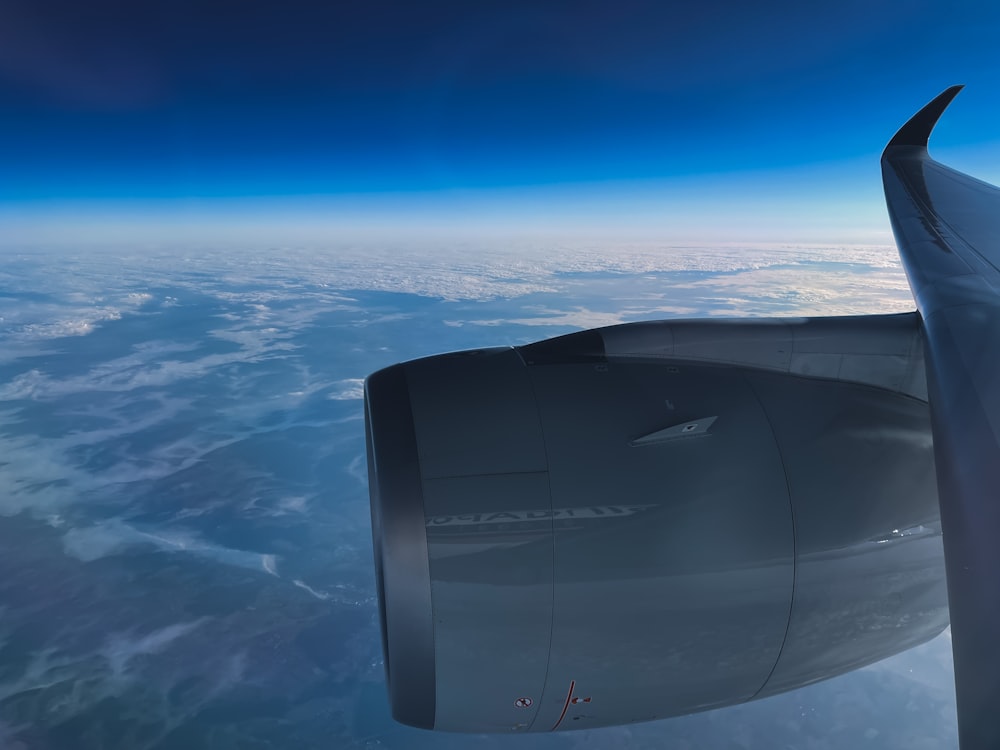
pixel 649 520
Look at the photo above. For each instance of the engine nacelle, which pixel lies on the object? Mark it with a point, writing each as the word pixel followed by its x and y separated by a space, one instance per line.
pixel 650 520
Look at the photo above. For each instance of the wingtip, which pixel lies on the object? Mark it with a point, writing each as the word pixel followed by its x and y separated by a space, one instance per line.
pixel 917 129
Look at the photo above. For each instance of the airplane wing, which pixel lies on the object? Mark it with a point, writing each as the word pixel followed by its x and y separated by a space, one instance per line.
pixel 947 227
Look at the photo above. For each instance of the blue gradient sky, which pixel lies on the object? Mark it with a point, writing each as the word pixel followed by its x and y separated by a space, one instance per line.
pixel 307 122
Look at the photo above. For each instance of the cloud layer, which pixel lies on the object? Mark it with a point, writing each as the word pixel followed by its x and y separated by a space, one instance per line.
pixel 184 518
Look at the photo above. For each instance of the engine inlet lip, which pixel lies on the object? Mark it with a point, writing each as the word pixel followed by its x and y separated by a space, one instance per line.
pixel 399 538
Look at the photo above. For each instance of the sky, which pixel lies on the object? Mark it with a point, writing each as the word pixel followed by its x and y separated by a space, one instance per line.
pixel 164 126
pixel 303 122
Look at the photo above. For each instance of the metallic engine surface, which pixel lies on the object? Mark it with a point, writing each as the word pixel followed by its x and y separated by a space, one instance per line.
pixel 646 520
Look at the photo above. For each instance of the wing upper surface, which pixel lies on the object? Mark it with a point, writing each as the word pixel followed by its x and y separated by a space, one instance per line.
pixel 947 226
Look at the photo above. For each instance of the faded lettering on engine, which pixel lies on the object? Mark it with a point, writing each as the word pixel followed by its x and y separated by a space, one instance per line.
pixel 520 516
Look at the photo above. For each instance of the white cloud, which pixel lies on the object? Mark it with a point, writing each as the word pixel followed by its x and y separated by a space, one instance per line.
pixel 75 314
pixel 349 389
pixel 310 589
pixel 358 469
pixel 576 317
pixel 95 542
pixel 296 504
pixel 149 366
pixel 28 384
pixel 805 289
pixel 114 536
pixel 121 648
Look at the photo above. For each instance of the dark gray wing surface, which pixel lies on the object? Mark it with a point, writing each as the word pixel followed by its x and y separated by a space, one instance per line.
pixel 947 226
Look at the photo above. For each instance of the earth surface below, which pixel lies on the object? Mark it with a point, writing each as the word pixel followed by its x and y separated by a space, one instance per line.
pixel 184 521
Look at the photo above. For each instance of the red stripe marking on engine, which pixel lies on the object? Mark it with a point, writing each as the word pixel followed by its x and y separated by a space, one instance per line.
pixel 569 697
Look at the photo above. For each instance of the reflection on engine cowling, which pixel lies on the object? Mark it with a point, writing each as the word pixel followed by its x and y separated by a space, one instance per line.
pixel 543 563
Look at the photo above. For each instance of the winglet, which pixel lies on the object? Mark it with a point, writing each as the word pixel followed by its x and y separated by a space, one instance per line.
pixel 918 128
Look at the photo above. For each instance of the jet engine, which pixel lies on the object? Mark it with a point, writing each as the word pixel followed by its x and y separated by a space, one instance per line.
pixel 650 519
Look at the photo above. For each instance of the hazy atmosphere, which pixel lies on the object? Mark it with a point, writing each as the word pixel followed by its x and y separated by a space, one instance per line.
pixel 216 219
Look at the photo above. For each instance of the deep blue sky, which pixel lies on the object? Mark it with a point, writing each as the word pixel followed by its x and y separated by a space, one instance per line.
pixel 731 119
